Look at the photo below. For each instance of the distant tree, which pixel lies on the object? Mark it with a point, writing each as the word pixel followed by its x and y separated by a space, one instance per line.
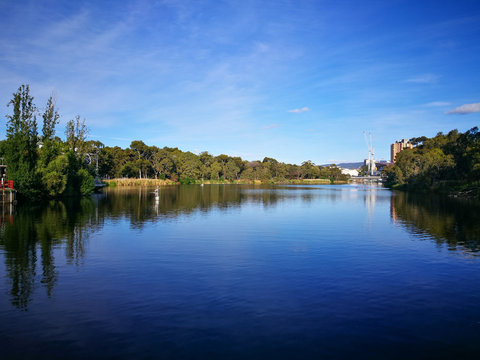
pixel 418 140
pixel 231 170
pixel 106 163
pixel 162 163
pixel 188 166
pixel 253 170
pixel 144 154
pixel 467 155
pixel 206 169
pixel 76 133
pixel 309 170
pixel 215 169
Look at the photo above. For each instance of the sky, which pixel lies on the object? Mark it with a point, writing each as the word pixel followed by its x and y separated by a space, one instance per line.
pixel 293 80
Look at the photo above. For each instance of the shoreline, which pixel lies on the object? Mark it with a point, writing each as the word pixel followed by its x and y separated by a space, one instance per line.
pixel 160 182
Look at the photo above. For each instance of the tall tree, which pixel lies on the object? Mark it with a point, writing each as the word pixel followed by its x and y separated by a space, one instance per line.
pixel 21 144
pixel 144 154
pixel 50 119
pixel 76 133
pixel 50 147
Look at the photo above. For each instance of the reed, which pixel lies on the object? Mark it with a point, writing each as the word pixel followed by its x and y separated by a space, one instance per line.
pixel 167 182
pixel 138 182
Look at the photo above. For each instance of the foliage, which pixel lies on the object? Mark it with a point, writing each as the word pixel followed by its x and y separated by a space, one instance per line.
pixel 45 166
pixel 49 166
pixel 76 133
pixel 21 143
pixel 86 180
pixel 144 161
pixel 443 163
pixel 54 176
pixel 187 181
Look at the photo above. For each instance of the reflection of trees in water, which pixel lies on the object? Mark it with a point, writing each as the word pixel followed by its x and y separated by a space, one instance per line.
pixel 41 229
pixel 449 221
pixel 139 205
pixel 36 234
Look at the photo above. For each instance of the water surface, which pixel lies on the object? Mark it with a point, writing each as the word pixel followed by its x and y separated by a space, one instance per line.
pixel 226 271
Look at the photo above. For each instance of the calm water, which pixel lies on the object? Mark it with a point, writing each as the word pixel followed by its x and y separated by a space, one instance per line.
pixel 324 272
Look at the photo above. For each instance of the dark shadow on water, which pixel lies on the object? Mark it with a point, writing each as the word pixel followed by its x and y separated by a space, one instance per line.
pixel 449 222
pixel 29 241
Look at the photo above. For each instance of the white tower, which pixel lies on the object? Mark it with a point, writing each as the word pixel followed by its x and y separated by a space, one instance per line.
pixel 370 162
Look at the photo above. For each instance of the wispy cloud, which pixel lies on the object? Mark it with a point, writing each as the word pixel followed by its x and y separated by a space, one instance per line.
pixel 271 126
pixel 423 79
pixel 437 103
pixel 465 109
pixel 304 109
pixel 120 138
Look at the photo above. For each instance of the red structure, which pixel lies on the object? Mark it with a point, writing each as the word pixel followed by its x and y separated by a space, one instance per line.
pixel 8 185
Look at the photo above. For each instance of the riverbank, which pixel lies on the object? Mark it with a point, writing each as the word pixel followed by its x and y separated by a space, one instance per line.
pixel 455 189
pixel 161 182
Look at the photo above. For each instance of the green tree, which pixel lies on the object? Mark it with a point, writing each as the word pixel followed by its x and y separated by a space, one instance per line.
pixel 54 176
pixel 21 143
pixel 76 133
pixel 143 156
pixel 309 170
pixel 215 169
pixel 50 120
pixel 52 164
pixel 189 166
pixel 231 170
pixel 206 168
pixel 162 163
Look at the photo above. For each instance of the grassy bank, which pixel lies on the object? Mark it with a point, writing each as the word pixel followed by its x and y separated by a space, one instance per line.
pixel 160 182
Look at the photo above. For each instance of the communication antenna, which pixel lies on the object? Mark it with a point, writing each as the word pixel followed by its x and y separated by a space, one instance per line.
pixel 371 153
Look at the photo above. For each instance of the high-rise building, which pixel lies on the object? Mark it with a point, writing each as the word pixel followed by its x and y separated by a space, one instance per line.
pixel 398 146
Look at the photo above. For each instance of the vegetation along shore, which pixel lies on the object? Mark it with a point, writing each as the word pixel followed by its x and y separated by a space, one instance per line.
pixel 447 163
pixel 46 166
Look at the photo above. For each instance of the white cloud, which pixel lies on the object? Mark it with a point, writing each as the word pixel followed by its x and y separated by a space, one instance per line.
pixel 465 109
pixel 304 109
pixel 423 79
pixel 272 126
pixel 120 138
pixel 437 103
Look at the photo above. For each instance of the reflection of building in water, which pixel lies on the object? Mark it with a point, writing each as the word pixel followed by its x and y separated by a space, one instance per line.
pixel 398 146
pixel 393 211
pixel 370 199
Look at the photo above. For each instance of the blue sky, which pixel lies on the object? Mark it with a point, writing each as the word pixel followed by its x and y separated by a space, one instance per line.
pixel 294 80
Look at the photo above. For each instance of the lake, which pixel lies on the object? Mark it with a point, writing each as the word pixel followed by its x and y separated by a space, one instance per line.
pixel 241 272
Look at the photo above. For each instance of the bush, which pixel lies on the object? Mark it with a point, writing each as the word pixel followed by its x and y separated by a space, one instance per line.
pixel 187 181
pixel 86 181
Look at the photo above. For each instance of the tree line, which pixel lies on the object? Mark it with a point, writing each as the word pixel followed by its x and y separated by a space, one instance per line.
pixel 445 163
pixel 143 161
pixel 44 165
